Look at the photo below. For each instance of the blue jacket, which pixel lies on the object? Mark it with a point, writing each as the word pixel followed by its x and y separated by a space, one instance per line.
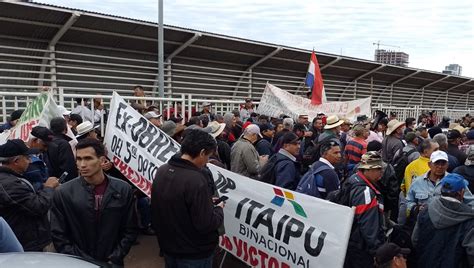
pixel 37 173
pixel 264 147
pixel 287 170
pixel 8 240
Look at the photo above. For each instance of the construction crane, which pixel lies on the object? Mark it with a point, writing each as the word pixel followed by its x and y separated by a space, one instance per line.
pixel 378 45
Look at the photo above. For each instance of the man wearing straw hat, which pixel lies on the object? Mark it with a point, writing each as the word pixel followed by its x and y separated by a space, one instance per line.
pixel 392 144
pixel 331 129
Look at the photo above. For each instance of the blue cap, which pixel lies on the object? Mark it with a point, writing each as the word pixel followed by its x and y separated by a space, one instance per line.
pixel 453 182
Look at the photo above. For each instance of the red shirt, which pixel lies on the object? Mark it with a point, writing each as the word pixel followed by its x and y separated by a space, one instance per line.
pixel 99 191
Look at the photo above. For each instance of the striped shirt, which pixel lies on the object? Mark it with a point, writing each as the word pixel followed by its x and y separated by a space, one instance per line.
pixel 354 150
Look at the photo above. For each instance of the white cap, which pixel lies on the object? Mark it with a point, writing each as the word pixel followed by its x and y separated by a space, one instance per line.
pixel 253 129
pixel 151 115
pixel 438 155
pixel 63 110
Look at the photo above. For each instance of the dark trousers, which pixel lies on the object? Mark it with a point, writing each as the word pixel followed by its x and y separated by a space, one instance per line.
pixel 171 262
pixel 356 258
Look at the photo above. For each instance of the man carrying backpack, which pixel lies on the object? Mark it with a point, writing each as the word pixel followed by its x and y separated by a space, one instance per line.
pixel 367 229
pixel 322 179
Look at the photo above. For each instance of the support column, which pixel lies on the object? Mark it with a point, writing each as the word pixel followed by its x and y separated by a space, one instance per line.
pixel 169 79
pixel 250 83
pixel 52 67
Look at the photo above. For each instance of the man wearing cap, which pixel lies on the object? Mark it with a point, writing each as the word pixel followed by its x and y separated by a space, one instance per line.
pixel 444 233
pixel 390 255
pixel 411 148
pixel 454 140
pixel 37 172
pixel 154 118
pixel 59 158
pixel 428 185
pixel 467 170
pixel 244 157
pixel 367 229
pixel 86 130
pixel 247 110
pixel 287 168
pixel 392 144
pixel 206 111
pixel 264 145
pixel 11 121
pixel 332 129
pixel 442 140
pixel 24 208
pixel 74 121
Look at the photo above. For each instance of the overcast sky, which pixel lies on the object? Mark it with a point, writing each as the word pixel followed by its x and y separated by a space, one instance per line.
pixel 434 33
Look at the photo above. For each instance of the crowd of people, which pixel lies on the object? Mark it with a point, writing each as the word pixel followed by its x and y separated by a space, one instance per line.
pixel 410 182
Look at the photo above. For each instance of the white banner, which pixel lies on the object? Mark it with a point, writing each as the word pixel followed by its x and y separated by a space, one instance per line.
pixel 135 146
pixel 39 112
pixel 266 226
pixel 276 101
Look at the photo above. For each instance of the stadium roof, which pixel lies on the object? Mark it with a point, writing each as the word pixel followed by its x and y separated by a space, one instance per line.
pixel 37 25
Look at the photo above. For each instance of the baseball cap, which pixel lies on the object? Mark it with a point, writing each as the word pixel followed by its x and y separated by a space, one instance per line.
pixel 253 129
pixel 387 251
pixel 453 182
pixel 264 127
pixel 42 133
pixel 454 134
pixel 15 147
pixel 438 155
pixel 16 115
pixel 151 115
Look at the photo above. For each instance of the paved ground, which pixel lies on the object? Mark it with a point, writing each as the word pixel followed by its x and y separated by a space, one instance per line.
pixel 145 254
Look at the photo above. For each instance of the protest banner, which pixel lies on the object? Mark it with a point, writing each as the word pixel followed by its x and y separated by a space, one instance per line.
pixel 39 112
pixel 275 102
pixel 266 226
pixel 135 146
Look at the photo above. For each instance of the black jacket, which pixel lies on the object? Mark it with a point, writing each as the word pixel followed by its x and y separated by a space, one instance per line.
pixel 454 151
pixel 25 210
pixel 59 158
pixel 76 230
pixel 183 215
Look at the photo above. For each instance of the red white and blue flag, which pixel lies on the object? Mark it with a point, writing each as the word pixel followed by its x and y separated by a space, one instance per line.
pixel 314 81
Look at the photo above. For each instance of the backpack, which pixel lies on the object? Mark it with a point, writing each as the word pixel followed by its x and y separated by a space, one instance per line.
pixel 400 163
pixel 343 195
pixel 267 173
pixel 311 180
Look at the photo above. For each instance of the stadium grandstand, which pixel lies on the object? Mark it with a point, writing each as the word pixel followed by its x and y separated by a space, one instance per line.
pixel 84 52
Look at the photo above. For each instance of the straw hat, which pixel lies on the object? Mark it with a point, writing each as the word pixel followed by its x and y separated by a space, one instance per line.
pixel 393 125
pixel 214 128
pixel 84 128
pixel 333 121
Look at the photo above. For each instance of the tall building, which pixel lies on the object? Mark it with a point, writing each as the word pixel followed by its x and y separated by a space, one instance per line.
pixel 453 69
pixel 391 57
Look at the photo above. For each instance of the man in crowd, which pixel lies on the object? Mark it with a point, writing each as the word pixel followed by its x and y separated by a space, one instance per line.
pixel 392 144
pixel 454 140
pixel 24 209
pixel 355 148
pixel 442 140
pixel 367 231
pixel 332 129
pixel 390 255
pixel 444 233
pixel 244 157
pixel 411 149
pixel 345 129
pixel 12 120
pixel 74 121
pixel 206 111
pixel 287 168
pixel 288 125
pixel 322 179
pixel 304 120
pixel 86 130
pixel 264 145
pixel 184 215
pixel 37 172
pixel 247 110
pixel 59 157
pixel 410 124
pixel 93 215
pixel 154 118
pixel 467 170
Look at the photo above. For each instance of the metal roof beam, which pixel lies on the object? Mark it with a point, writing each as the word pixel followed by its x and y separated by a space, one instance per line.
pixel 260 61
pixel 183 46
pixel 330 63
pixel 52 43
pixel 359 77
pixel 397 81
pixel 453 87
pixel 425 86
